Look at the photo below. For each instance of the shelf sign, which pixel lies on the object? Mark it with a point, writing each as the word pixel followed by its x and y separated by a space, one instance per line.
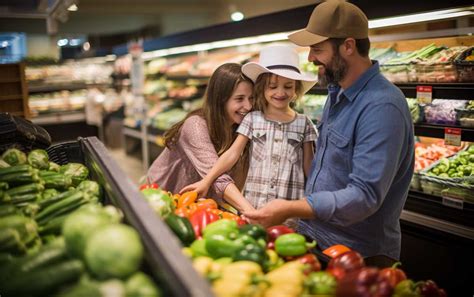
pixel 424 94
pixel 452 136
pixel 453 202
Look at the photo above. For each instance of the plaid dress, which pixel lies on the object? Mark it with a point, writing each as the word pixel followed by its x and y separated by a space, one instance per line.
pixel 276 157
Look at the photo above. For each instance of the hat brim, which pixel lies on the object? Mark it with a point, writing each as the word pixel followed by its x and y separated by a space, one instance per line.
pixel 252 70
pixel 306 38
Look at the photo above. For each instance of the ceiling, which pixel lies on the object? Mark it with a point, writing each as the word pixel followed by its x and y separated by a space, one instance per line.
pixel 161 17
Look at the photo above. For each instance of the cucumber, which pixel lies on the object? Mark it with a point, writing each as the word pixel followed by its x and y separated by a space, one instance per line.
pixel 43 280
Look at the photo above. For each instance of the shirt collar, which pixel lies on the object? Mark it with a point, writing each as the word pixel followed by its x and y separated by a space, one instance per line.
pixel 351 92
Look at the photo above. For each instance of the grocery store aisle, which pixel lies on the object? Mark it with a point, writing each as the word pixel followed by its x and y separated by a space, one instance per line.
pixel 130 165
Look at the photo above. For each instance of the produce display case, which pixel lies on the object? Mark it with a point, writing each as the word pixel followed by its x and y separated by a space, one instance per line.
pixel 164 260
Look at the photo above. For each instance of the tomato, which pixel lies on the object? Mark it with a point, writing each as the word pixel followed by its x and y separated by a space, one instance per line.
pixel 336 250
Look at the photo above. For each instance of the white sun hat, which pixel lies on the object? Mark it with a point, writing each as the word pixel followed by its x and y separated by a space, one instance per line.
pixel 281 60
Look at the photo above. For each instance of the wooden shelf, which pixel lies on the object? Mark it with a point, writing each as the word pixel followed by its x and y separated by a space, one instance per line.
pixel 10 97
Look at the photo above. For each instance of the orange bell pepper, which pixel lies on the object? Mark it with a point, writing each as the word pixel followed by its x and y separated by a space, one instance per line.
pixel 230 216
pixel 182 212
pixel 187 198
pixel 206 204
pixel 336 250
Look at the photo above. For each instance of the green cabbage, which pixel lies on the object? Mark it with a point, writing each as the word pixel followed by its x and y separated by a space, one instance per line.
pixel 159 200
pixel 14 157
pixel 141 285
pixel 90 187
pixel 114 251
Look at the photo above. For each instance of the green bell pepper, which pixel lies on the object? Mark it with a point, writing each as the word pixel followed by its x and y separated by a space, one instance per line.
pixel 257 232
pixel 251 252
pixel 227 228
pixel 406 288
pixel 320 283
pixel 292 244
pixel 198 248
pixel 218 246
pixel 182 228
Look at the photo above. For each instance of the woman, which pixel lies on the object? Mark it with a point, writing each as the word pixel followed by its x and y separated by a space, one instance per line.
pixel 195 144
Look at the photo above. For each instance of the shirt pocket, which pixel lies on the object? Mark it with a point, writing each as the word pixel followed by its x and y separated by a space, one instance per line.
pixel 259 138
pixel 295 143
pixel 339 151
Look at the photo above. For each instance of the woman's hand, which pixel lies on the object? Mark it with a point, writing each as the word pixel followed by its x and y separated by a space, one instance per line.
pixel 201 187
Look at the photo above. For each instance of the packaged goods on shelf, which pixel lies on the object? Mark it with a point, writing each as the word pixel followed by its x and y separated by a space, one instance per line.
pixel 442 111
pixel 465 66
pixel 440 67
pixel 415 110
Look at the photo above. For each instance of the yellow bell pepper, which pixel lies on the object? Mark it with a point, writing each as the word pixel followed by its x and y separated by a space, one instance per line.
pixel 287 280
pixel 236 280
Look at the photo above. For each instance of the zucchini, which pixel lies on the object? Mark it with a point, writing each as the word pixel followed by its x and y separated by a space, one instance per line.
pixel 45 203
pixel 57 181
pixel 46 173
pixel 15 169
pixel 50 210
pixel 25 189
pixel 43 280
pixel 22 199
pixel 3 185
pixel 44 257
pixel 20 178
pixel 53 226
pixel 8 209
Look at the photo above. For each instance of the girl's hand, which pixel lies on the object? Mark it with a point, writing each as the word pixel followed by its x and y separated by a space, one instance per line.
pixel 201 187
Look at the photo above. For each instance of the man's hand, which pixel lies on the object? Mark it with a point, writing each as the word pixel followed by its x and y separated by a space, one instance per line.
pixel 201 187
pixel 273 213
pixel 277 211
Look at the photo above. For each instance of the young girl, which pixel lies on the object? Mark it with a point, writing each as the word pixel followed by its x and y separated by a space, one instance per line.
pixel 281 148
pixel 194 144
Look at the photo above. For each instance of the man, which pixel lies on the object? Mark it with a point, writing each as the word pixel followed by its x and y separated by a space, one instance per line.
pixel 364 158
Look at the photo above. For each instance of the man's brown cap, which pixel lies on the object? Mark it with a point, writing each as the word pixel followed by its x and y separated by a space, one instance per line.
pixel 332 19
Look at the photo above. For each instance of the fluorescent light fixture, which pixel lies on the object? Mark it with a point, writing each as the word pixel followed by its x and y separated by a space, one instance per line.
pixel 62 42
pixel 215 45
pixel 422 17
pixel 74 42
pixel 377 23
pixel 237 16
pixel 4 44
pixel 73 7
pixel 86 46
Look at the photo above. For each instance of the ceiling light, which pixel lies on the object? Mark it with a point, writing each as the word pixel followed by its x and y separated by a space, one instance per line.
pixel 86 46
pixel 73 7
pixel 62 42
pixel 422 17
pixel 237 16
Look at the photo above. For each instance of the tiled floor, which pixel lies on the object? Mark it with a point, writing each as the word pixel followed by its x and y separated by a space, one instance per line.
pixel 130 165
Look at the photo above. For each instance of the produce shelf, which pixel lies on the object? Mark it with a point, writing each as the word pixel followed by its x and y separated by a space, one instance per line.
pixel 168 265
pixel 46 87
pixel 432 206
pixel 437 131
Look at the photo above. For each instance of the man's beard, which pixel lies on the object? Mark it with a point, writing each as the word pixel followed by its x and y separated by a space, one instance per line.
pixel 334 72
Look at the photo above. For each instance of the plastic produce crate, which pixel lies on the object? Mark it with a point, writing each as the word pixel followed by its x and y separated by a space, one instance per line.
pixel 164 260
pixel 465 69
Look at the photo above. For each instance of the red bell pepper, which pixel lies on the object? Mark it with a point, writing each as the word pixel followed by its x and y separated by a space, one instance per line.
pixel 345 263
pixel 311 263
pixel 393 274
pixel 365 281
pixel 430 289
pixel 200 219
pixel 274 232
pixel 149 186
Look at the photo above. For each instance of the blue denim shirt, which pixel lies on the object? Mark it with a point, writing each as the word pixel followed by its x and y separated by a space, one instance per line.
pixel 362 168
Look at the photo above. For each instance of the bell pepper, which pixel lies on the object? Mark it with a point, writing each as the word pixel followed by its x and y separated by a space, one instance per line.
pixel 203 265
pixel 256 231
pixel 274 232
pixel 187 198
pixel 320 283
pixel 310 262
pixel 237 279
pixel 273 260
pixel 430 289
pixel 182 212
pixel 364 282
pixel 222 227
pixel 182 228
pixel 345 263
pixel 200 219
pixel 287 280
pixel 393 274
pixel 149 186
pixel 336 250
pixel 198 248
pixel 292 245
pixel 251 252
pixel 406 288
pixel 206 204
pixel 219 246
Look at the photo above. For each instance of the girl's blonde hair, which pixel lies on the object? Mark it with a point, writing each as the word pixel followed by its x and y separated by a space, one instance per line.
pixel 221 85
pixel 262 82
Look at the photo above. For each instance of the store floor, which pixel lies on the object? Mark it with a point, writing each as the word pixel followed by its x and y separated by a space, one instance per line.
pixel 132 166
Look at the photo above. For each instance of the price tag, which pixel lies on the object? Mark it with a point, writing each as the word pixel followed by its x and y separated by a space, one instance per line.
pixel 452 136
pixel 452 202
pixel 424 94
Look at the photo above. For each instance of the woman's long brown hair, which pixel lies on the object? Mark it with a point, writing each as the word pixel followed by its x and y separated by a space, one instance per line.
pixel 221 85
